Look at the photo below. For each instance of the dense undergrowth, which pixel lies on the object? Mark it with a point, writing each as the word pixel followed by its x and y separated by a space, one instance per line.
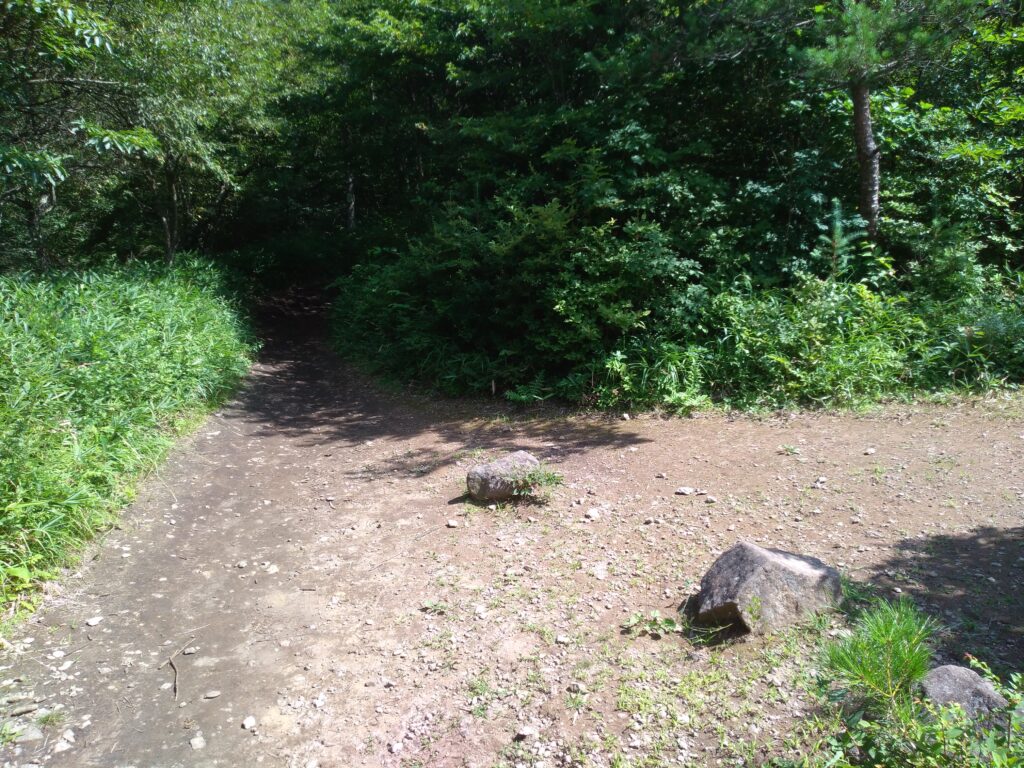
pixel 652 204
pixel 822 342
pixel 98 370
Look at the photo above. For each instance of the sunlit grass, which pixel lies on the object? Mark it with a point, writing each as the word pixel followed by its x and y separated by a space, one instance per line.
pixel 98 371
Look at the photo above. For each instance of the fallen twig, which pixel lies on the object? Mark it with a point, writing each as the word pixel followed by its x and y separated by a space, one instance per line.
pixel 170 661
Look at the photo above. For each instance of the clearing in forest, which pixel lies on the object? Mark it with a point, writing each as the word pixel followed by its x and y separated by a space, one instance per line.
pixel 309 560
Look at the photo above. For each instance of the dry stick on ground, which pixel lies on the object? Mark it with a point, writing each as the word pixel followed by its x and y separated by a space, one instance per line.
pixel 170 660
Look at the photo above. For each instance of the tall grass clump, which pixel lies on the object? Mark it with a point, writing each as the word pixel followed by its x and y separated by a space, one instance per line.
pixel 98 370
pixel 874 674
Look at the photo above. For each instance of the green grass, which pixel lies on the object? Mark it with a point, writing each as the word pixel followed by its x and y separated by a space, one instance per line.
pixel 98 371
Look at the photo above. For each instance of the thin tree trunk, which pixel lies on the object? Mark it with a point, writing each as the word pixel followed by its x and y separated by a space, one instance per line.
pixel 169 217
pixel 168 239
pixel 351 202
pixel 36 209
pixel 868 157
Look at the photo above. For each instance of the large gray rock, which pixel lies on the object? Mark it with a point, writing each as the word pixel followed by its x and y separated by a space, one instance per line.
pixel 953 684
pixel 763 589
pixel 501 479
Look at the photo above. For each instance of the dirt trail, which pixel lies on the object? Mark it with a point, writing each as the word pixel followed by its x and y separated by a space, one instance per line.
pixel 295 558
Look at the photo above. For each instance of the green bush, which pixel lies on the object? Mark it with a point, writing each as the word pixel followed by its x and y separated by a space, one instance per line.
pixel 97 371
pixel 534 302
pixel 822 342
pixel 874 673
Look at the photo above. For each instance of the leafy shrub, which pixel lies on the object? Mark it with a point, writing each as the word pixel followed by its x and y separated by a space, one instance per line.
pixel 97 369
pixel 823 342
pixel 497 295
pixel 975 340
pixel 654 373
pixel 876 670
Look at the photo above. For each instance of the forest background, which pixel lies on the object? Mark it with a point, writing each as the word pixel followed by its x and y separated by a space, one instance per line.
pixel 649 203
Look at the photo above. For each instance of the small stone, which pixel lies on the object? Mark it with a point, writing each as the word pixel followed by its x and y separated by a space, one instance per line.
pixel 452 523
pixel 710 500
pixel 685 491
pixel 197 741
pixel 190 651
pixel 869 451
pixel 249 723
pixel 93 621
pixel 593 514
pixel 61 746
pixel 395 747
pixel 211 694
pixel 625 417
pixel 563 640
pixel 28 734
pixel 527 733
pixel 661 476
pixel 577 688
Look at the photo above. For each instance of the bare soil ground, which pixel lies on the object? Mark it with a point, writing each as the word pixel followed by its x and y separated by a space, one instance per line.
pixel 295 559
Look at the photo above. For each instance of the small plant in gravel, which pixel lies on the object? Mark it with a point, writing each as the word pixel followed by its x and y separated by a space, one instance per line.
pixel 538 483
pixel 654 625
pixel 51 719
pixel 436 608
pixel 8 733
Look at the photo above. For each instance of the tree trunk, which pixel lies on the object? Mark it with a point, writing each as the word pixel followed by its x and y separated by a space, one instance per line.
pixel 351 202
pixel 169 215
pixel 37 207
pixel 868 157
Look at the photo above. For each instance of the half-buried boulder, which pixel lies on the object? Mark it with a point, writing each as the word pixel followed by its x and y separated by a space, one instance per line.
pixel 763 590
pixel 501 479
pixel 953 684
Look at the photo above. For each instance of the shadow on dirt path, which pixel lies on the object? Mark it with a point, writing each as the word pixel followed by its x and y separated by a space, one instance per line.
pixel 302 391
pixel 972 582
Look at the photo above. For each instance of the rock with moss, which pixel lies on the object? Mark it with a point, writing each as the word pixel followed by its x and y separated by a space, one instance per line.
pixel 953 684
pixel 763 590
pixel 502 479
